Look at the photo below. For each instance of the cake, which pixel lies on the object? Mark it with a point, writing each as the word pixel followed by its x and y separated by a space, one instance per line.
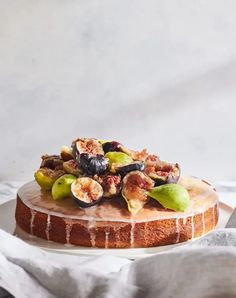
pixel 139 201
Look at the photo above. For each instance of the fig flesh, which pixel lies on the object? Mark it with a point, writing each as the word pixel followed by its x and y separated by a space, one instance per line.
pixel 86 192
pixel 136 155
pixel 90 156
pixel 117 159
pixel 46 177
pixel 89 146
pixel 71 167
pixel 163 172
pixel 66 153
pixel 111 146
pixel 53 162
pixel 111 184
pixel 135 186
pixel 62 187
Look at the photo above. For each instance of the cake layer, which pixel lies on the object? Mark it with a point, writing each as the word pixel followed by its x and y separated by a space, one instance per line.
pixel 110 224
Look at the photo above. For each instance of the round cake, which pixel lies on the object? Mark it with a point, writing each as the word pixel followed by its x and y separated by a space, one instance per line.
pixel 109 223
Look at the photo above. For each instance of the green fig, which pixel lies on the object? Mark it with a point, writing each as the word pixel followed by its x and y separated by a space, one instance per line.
pixel 171 196
pixel 62 186
pixel 46 177
pixel 117 159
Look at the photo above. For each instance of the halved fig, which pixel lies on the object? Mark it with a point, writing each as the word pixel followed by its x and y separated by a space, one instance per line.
pixel 135 186
pixel 53 162
pixel 174 175
pixel 117 159
pixel 86 192
pixel 136 155
pixel 152 159
pixel 90 156
pixel 111 146
pixel 163 172
pixel 111 184
pixel 66 153
pixel 135 166
pixel 92 164
pixel 71 167
pixel 89 146
pixel 46 177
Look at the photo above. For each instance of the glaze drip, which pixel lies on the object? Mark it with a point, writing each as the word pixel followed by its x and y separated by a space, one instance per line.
pixel 69 225
pixel 185 220
pixel 48 226
pixel 92 235
pixel 117 236
pixel 33 213
pixel 132 234
pixel 107 232
pixel 177 230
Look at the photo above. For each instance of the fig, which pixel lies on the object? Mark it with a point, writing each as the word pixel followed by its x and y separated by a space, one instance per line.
pixel 174 175
pixel 135 186
pixel 163 172
pixel 86 192
pixel 135 166
pixel 111 146
pixel 92 164
pixel 89 146
pixel 90 156
pixel 62 187
pixel 171 196
pixel 46 177
pixel 152 159
pixel 71 167
pixel 53 162
pixel 136 155
pixel 111 184
pixel 117 159
pixel 66 153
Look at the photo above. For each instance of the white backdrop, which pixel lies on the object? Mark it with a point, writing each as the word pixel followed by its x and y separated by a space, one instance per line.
pixel 155 74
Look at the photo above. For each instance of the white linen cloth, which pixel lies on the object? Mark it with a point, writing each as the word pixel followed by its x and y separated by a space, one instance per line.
pixel 205 268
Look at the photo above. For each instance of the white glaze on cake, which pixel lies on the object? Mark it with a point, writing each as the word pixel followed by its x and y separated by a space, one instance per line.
pixel 48 227
pixel 91 225
pixel 33 213
pixel 69 226
pixel 202 197
pixel 132 234
pixel 185 220
pixel 115 210
pixel 107 232
pixel 177 230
